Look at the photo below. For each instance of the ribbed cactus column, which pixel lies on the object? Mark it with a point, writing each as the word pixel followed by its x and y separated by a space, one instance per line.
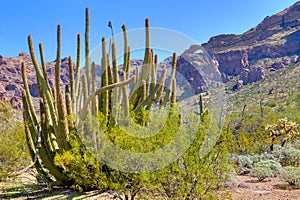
pixel 58 61
pixel 87 47
pixel 72 82
pixel 136 95
pixel 94 102
pixel 172 76
pixel 104 80
pixel 26 88
pixel 125 67
pixel 77 81
pixel 43 64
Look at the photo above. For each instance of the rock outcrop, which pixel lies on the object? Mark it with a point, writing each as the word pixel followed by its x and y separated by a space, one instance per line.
pixel 251 75
pixel 11 83
pixel 232 62
pixel 276 36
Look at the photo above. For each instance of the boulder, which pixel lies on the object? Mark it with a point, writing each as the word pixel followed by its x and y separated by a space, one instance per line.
pixel 251 75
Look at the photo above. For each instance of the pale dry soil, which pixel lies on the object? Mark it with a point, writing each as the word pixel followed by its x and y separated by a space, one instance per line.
pixel 248 188
pixel 244 188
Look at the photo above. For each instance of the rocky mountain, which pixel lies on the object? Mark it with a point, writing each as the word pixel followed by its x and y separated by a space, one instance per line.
pixel 271 45
pixel 277 36
pixel 11 83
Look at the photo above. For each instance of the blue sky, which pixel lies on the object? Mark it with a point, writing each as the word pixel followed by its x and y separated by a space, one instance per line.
pixel 198 19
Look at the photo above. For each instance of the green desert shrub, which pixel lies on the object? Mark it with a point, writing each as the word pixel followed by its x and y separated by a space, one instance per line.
pixel 288 155
pixel 13 147
pixel 262 172
pixel 265 169
pixel 243 163
pixel 291 175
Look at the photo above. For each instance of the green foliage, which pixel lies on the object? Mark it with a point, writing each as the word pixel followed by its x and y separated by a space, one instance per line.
pixel 283 131
pixel 262 172
pixel 247 128
pixel 81 167
pixel 265 169
pixel 287 155
pixel 194 175
pixel 13 147
pixel 243 163
pixel 291 175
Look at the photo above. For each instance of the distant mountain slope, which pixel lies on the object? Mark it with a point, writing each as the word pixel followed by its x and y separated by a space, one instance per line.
pixel 276 36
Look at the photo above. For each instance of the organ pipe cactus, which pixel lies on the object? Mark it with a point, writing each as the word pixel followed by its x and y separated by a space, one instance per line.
pixel 57 128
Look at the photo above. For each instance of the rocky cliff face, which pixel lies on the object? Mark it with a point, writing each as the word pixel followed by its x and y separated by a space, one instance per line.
pixel 11 83
pixel 275 37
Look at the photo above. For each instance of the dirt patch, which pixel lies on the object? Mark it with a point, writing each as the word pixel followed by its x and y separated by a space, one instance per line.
pixel 247 187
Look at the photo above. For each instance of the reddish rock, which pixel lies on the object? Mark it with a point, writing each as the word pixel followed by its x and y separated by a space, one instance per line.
pixel 4 78
pixel 249 76
pixel 257 41
pixel 239 84
pixel 233 62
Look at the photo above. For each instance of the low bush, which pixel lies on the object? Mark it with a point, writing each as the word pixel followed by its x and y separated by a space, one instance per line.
pixel 291 175
pixel 266 169
pixel 13 147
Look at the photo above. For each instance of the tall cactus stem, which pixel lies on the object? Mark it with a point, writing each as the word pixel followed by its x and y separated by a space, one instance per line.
pixel 125 99
pixel 115 63
pixel 100 91
pixel 150 98
pixel 72 82
pixel 43 64
pixel 128 63
pixel 29 100
pixel 201 108
pixel 78 65
pixel 104 80
pixel 87 47
pixel 58 61
pixel 172 76
pixel 173 95
pixel 48 98
pixel 125 67
pixel 63 123
pixel 84 89
pixel 94 102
